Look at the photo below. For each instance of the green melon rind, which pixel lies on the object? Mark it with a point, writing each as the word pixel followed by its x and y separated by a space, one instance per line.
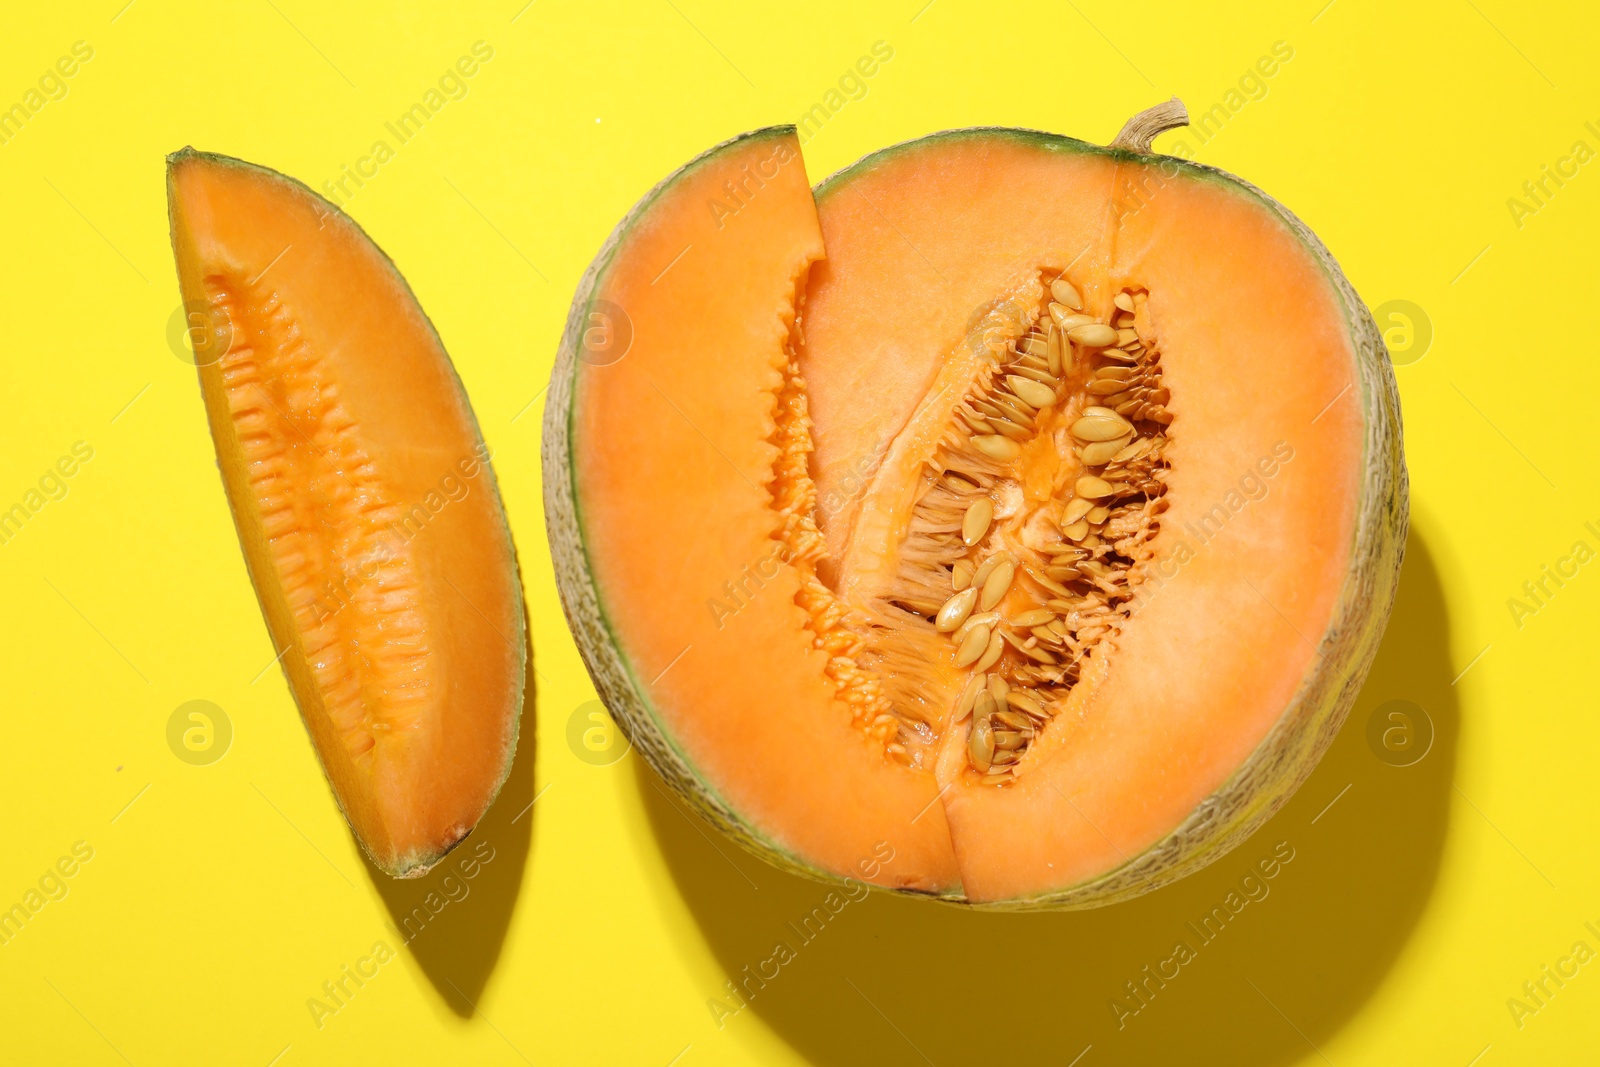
pixel 621 688
pixel 1040 139
pixel 1280 762
pixel 411 864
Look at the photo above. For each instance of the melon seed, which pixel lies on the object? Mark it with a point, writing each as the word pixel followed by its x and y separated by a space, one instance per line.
pixel 1016 721
pixel 1069 322
pixel 1023 702
pixel 973 646
pixel 991 655
pixel 995 447
pixel 1093 488
pixel 999 689
pixel 988 618
pixel 969 697
pixel 984 704
pixel 1098 452
pixel 961 575
pixel 1010 408
pixel 1028 648
pixel 1032 617
pixel 1042 376
pixel 1076 509
pixel 1012 430
pixel 1107 427
pixel 975 523
pixel 1132 451
pixel 1054 587
pixel 980 743
pixel 996 585
pixel 955 611
pixel 987 567
pixel 1007 739
pixel 1123 301
pixel 1093 335
pixel 1064 293
pixel 1031 392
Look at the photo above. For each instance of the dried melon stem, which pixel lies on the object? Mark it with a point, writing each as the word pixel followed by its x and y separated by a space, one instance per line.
pixel 329 521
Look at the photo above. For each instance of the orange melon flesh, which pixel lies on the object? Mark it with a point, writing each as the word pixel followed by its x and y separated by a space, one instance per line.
pixel 739 507
pixel 364 500
pixel 671 448
pixel 1254 347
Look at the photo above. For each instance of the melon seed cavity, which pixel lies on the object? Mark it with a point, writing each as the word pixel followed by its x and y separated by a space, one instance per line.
pixel 1041 506
pixel 1036 515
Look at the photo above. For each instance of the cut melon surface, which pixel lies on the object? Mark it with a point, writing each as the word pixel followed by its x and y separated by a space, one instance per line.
pixel 1029 508
pixel 364 500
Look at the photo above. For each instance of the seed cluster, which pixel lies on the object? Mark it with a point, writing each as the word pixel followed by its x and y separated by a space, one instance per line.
pixel 1094 390
pixel 1034 517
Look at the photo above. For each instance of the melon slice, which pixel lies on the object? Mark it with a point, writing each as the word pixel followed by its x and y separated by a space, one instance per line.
pixel 1024 511
pixel 364 500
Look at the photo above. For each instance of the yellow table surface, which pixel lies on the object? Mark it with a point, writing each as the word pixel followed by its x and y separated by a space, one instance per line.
pixel 217 898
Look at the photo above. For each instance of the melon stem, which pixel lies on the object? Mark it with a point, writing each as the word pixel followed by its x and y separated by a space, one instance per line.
pixel 1139 131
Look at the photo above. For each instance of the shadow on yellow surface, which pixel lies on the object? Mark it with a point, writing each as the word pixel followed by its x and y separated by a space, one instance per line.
pixel 453 921
pixel 893 980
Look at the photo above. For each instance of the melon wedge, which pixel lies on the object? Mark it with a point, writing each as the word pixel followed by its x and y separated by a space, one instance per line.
pixel 1013 520
pixel 361 489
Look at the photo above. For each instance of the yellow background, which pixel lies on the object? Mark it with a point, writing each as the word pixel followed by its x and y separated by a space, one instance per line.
pixel 221 897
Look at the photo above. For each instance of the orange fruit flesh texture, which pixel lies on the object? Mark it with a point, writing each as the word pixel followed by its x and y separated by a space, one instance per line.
pixel 369 516
pixel 674 466
pixel 1260 365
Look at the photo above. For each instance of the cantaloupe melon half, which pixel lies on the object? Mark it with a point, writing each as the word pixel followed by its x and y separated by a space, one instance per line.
pixel 364 500
pixel 1014 521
